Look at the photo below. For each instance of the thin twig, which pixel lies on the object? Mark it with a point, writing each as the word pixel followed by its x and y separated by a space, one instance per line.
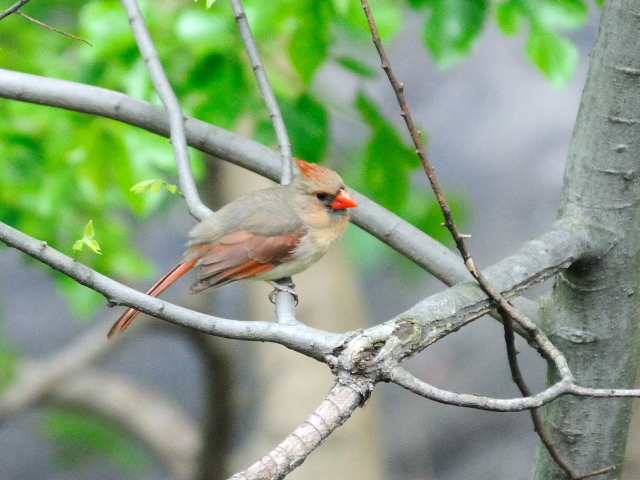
pixel 404 379
pixel 285 305
pixel 267 91
pixel 505 309
pixel 38 22
pixel 536 419
pixel 546 347
pixel 13 8
pixel 171 104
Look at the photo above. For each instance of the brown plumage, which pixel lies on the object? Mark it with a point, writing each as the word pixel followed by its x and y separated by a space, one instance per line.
pixel 264 235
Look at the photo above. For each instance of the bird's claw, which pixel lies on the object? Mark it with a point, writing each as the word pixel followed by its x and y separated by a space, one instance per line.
pixel 279 287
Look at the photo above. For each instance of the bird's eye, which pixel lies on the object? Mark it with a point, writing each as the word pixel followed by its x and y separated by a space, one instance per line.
pixel 322 196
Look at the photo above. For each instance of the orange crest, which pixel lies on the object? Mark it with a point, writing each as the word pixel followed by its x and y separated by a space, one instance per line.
pixel 312 171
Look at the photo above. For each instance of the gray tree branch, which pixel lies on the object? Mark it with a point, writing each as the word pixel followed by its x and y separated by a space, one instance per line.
pixel 388 227
pixel 433 317
pixel 13 8
pixel 386 344
pixel 173 108
pixel 379 349
pixel 266 90
pixel 285 305
pixel 401 377
pixel 309 341
pixel 341 402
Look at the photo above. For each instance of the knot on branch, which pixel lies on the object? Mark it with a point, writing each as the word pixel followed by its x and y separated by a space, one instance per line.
pixel 373 352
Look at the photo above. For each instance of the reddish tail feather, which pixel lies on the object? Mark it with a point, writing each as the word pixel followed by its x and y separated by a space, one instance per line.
pixel 160 286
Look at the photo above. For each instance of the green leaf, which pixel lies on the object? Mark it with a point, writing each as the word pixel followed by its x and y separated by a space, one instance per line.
pixel 88 230
pixel 309 44
pixel 554 55
pixel 154 186
pixel 557 14
pixel 388 161
pixel 87 240
pixel 142 187
pixel 308 125
pixel 356 66
pixel 509 16
pixel 93 245
pixel 453 28
pixel 210 85
pixel 77 436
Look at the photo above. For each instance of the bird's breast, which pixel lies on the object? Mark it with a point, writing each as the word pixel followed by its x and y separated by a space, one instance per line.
pixel 318 240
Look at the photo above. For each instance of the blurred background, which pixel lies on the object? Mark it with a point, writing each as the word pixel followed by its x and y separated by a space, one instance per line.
pixel 495 88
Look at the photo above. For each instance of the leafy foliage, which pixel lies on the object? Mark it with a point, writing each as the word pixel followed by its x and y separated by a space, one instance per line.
pixel 386 171
pixel 154 186
pixel 454 27
pixel 356 66
pixel 308 126
pixel 88 240
pixel 78 435
pixel 308 48
pixel 387 161
pixel 555 55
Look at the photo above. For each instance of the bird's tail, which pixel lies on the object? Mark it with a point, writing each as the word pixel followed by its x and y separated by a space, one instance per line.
pixel 160 286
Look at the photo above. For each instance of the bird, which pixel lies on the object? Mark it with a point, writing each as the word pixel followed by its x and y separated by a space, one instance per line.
pixel 267 235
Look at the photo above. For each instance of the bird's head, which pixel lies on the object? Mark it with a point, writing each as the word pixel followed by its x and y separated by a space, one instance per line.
pixel 323 188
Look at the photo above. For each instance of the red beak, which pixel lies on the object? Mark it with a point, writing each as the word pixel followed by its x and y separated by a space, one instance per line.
pixel 344 200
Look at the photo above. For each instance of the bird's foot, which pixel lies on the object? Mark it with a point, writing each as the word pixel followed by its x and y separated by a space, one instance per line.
pixel 282 287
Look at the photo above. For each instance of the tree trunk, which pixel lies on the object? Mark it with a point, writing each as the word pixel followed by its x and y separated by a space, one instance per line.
pixel 592 313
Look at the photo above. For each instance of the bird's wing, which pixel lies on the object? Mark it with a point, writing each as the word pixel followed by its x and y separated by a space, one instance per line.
pixel 240 254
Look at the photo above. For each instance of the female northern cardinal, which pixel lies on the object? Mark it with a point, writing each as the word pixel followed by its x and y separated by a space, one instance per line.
pixel 264 235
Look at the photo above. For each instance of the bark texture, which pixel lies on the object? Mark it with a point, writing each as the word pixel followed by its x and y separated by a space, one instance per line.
pixel 592 313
